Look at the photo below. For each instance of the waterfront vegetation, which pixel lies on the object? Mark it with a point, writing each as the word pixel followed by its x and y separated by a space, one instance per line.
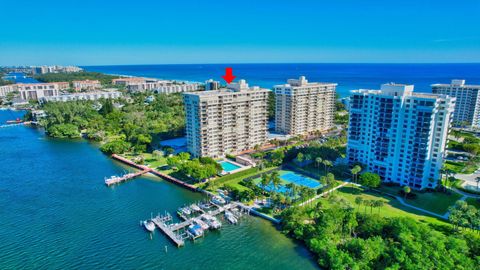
pixel 346 238
pixel 124 125
pixel 105 80
pixel 2 81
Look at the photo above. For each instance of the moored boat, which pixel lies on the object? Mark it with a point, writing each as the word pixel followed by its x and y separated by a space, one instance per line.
pixel 149 225
pixel 211 221
pixel 195 230
pixel 231 217
pixel 218 200
pixel 200 223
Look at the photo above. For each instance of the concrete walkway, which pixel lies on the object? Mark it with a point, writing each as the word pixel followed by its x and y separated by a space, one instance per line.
pixel 400 199
pixel 325 193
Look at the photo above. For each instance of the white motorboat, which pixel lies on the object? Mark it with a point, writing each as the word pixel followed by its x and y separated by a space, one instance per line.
pixel 201 223
pixel 149 225
pixel 195 230
pixel 218 200
pixel 211 221
pixel 231 217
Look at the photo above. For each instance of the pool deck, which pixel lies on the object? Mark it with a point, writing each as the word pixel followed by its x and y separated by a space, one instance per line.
pixel 242 167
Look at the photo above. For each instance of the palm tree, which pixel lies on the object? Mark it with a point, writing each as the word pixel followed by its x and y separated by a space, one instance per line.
pixel 275 179
pixel 318 161
pixel 327 163
pixel 355 170
pixel 265 180
pixel 294 190
pixel 406 190
pixel 289 186
pixel 378 204
pixel 358 201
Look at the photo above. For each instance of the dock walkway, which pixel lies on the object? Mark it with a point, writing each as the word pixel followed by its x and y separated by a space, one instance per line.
pixel 168 231
pixel 155 172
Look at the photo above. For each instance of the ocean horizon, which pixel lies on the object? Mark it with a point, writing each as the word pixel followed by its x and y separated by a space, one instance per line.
pixel 349 76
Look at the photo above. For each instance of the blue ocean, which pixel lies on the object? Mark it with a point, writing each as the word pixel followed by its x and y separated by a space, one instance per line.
pixel 348 76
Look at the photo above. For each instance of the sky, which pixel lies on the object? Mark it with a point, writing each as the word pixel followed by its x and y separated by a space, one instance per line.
pixel 119 32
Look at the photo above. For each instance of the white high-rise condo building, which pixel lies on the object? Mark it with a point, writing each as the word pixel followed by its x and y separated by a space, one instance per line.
pixel 303 107
pixel 467 107
pixel 226 121
pixel 399 134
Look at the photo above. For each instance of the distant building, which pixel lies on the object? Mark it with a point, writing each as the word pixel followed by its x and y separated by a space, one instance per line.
pixel 136 84
pixel 226 121
pixel 5 89
pixel 86 85
pixel 36 91
pixel 399 134
pixel 54 69
pixel 83 96
pixel 467 107
pixel 303 107
pixel 212 85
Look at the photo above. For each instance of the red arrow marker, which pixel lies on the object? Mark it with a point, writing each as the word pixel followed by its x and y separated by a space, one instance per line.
pixel 228 77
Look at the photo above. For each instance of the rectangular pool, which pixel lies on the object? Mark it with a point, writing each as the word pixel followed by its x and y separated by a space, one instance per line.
pixel 228 166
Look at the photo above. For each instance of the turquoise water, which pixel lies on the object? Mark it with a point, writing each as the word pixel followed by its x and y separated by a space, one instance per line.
pixel 228 166
pixel 299 179
pixel 56 213
pixel 348 76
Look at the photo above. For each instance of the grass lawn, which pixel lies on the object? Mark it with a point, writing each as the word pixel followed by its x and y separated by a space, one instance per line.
pixel 149 159
pixel 437 202
pixel 235 178
pixel 391 208
pixel 474 202
pixel 461 167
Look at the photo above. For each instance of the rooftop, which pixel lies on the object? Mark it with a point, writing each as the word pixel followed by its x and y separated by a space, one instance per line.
pixel 302 81
pixel 456 83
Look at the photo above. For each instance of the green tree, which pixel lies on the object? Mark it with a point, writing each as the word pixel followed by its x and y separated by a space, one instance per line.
pixel 406 191
pixel 115 147
pixel 370 180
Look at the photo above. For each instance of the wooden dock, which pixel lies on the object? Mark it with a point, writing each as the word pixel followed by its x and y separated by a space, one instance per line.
pixel 160 222
pixel 155 172
pixel 124 178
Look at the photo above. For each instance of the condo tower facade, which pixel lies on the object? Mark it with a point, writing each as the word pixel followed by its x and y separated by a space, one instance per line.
pixel 303 107
pixel 467 107
pixel 226 121
pixel 399 134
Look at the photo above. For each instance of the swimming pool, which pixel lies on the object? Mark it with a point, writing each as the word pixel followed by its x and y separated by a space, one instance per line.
pixel 228 166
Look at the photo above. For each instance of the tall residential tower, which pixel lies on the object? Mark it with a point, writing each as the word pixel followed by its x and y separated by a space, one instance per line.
pixel 399 134
pixel 303 107
pixel 226 121
pixel 467 107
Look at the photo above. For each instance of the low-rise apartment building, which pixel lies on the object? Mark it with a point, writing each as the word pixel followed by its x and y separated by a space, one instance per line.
pixel 83 96
pixel 36 91
pixel 86 85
